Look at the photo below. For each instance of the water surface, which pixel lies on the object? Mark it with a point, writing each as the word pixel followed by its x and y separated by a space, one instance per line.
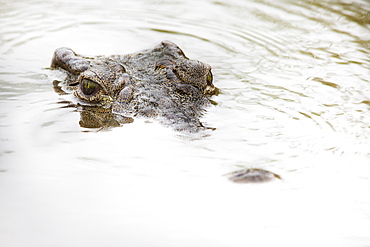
pixel 294 77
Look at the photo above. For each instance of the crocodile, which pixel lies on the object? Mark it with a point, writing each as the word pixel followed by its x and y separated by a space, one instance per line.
pixel 159 83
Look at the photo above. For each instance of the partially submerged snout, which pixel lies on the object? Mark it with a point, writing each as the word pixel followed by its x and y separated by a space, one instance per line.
pixel 97 82
pixel 68 60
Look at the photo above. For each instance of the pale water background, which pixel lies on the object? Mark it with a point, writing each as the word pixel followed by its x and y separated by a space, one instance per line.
pixel 295 82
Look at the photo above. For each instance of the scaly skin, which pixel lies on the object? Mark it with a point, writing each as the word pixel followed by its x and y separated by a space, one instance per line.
pixel 160 83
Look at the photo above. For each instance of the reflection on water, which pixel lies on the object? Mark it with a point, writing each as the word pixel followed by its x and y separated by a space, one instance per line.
pixel 98 117
pixel 294 77
pixel 92 117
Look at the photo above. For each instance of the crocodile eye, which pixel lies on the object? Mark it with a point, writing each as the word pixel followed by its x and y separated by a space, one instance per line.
pixel 209 78
pixel 88 87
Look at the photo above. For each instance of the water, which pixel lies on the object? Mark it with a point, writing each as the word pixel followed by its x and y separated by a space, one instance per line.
pixel 295 85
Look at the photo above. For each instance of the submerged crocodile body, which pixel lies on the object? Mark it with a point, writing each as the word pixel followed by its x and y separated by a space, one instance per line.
pixel 159 83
